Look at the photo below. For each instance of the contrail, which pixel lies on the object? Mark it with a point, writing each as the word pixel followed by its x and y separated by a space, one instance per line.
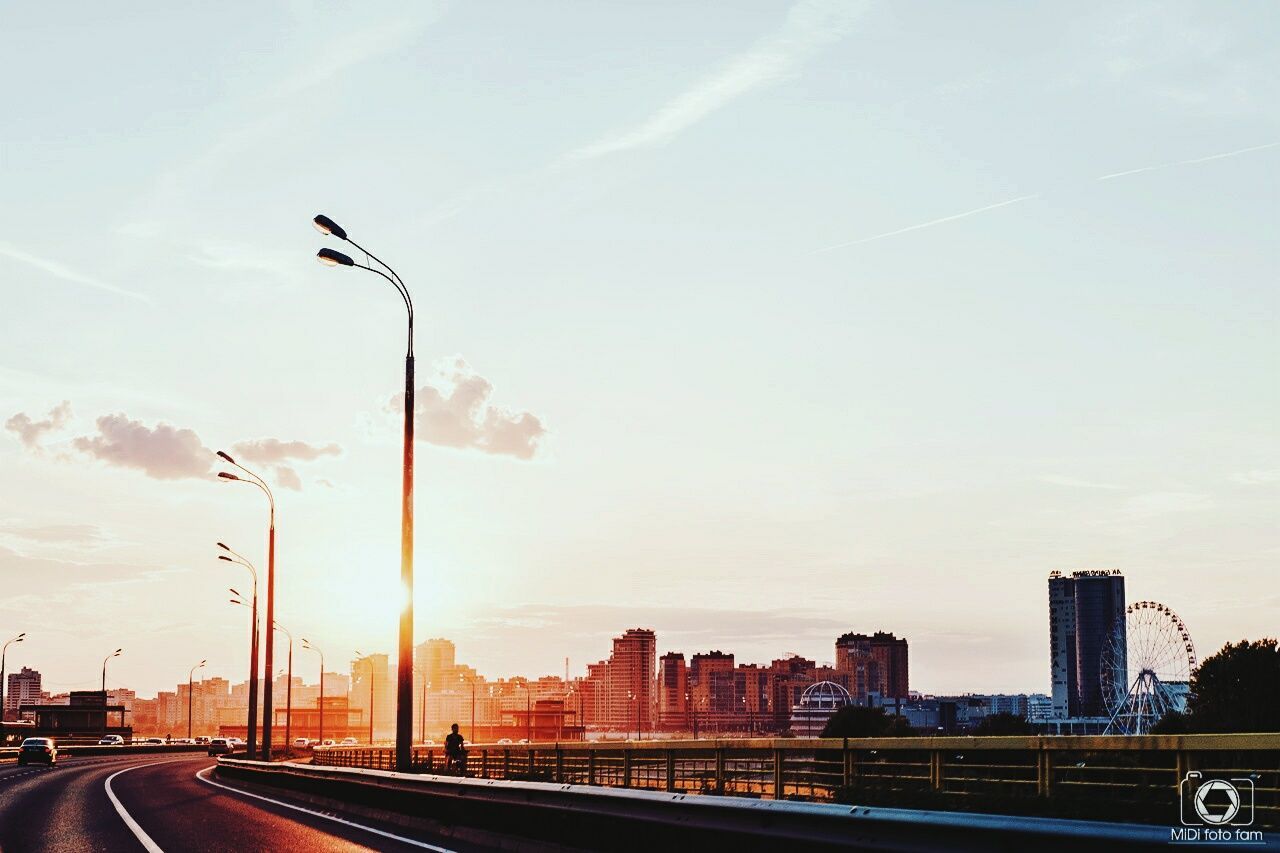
pixel 928 224
pixel 65 273
pixel 1187 162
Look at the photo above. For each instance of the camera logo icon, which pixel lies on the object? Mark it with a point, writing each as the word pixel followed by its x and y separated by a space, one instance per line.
pixel 1216 800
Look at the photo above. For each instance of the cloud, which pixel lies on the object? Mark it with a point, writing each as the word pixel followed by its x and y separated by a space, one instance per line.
pixel 56 534
pixel 274 453
pixel 928 224
pixel 1163 503
pixel 1256 477
pixel 29 431
pixel 1072 482
pixel 453 410
pixel 65 273
pixel 810 25
pixel 162 452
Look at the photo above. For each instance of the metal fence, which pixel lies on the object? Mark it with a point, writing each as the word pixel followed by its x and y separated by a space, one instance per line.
pixel 1112 778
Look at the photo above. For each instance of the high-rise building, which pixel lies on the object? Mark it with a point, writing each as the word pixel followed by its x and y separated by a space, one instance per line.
pixel 22 688
pixel 631 677
pixel 673 688
pixel 876 663
pixel 381 690
pixel 1086 614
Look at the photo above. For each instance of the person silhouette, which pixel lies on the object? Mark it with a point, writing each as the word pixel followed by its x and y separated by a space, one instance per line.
pixel 454 751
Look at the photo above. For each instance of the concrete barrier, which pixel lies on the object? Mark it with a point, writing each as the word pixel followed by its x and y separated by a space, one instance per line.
pixel 599 818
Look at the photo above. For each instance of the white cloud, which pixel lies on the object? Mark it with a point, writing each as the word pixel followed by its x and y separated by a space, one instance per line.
pixel 30 431
pixel 810 25
pixel 1164 503
pixel 64 272
pixel 453 410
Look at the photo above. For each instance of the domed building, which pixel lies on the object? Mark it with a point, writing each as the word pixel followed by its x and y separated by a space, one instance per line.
pixel 817 705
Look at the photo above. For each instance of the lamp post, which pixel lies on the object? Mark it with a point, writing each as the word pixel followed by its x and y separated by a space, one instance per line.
pixel 288 692
pixel 360 654
pixel 254 480
pixel 4 650
pixel 404 663
pixel 190 685
pixel 114 654
pixel 306 644
pixel 423 715
pixel 472 679
pixel 253 647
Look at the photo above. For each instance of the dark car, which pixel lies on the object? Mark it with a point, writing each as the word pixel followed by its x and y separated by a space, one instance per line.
pixel 221 746
pixel 38 749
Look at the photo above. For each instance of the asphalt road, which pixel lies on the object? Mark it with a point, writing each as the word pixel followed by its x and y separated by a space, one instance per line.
pixel 70 809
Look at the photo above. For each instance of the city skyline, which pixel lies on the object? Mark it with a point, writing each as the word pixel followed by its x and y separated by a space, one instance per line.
pixel 750 337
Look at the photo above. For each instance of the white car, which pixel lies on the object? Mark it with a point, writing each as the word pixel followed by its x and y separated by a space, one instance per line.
pixel 329 742
pixel 111 740
pixel 349 741
pixel 301 743
pixel 504 740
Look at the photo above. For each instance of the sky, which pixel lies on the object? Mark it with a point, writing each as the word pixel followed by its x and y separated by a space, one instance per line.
pixel 749 322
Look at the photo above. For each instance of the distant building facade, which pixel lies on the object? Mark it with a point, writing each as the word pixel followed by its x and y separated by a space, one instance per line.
pixel 21 688
pixel 1085 611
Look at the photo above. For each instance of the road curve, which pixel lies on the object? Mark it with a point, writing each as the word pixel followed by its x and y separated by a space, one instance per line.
pixel 70 809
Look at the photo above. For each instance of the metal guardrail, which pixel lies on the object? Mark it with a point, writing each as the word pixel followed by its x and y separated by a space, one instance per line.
pixel 597 818
pixel 1116 778
pixel 92 749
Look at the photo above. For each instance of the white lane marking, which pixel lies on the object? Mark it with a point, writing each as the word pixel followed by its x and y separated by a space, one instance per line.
pixel 313 813
pixel 149 845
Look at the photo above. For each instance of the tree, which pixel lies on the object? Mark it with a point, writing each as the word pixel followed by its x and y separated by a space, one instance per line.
pixel 856 721
pixel 1237 689
pixel 1004 723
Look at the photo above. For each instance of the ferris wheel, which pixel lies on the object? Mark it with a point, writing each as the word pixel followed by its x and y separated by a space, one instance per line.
pixel 1146 668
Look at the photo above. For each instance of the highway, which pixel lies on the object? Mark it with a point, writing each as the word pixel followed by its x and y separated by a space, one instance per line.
pixel 153 803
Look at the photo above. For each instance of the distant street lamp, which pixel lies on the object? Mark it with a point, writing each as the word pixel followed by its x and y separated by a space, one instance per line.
pixel 360 654
pixel 114 654
pixel 4 650
pixel 254 480
pixel 239 560
pixel 190 685
pixel 306 644
pixel 404 663
pixel 288 692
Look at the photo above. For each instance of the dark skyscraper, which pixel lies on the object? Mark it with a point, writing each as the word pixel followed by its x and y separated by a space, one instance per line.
pixel 1085 611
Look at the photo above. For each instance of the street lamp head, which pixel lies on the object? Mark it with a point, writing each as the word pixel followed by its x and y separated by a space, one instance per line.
pixel 330 258
pixel 116 653
pixel 234 592
pixel 325 225
pixel 227 475
pixel 225 557
pixel 224 455
pixel 223 547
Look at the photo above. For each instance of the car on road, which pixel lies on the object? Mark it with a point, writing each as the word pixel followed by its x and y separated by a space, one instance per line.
pixel 504 740
pixel 329 742
pixel 203 740
pixel 301 743
pixel 41 750
pixel 152 741
pixel 221 746
pixel 111 740
pixel 349 741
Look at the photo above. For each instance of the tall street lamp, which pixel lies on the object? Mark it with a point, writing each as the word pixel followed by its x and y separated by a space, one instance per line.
pixel 404 663
pixel 288 692
pixel 254 480
pixel 190 692
pixel 4 650
pixel 528 712
pixel 360 655
pixel 239 560
pixel 114 654
pixel 306 644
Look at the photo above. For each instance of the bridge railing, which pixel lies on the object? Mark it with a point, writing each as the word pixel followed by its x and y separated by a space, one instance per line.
pixel 1112 778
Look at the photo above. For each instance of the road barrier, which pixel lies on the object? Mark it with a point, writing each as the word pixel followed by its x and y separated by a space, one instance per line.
pixel 85 750
pixel 595 818
pixel 1104 777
